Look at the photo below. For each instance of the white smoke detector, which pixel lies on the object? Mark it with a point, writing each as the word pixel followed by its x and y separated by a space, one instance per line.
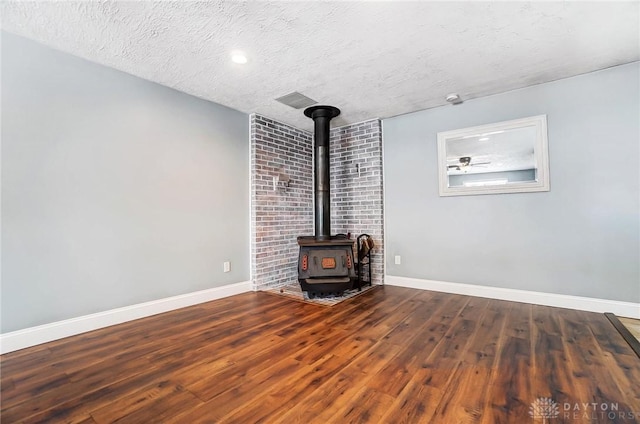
pixel 454 98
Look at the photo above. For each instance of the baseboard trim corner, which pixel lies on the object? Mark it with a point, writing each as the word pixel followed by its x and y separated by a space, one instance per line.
pixel 590 304
pixel 32 336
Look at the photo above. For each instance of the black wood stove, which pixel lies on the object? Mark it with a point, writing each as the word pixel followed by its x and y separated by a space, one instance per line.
pixel 325 264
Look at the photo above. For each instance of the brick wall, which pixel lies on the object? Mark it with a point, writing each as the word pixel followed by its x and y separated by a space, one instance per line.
pixel 278 217
pixel 356 186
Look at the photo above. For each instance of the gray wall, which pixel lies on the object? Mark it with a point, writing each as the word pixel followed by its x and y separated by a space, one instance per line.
pixel 115 190
pixel 581 238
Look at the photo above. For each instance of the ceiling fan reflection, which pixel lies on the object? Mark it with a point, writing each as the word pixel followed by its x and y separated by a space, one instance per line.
pixel 465 162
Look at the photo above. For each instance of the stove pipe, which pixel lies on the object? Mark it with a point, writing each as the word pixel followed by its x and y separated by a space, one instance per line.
pixel 321 116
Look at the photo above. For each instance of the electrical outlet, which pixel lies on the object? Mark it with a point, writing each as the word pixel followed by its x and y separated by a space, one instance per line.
pixel 398 260
pixel 226 266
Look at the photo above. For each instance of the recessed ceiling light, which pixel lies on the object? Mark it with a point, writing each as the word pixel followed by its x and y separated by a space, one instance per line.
pixel 483 139
pixel 239 57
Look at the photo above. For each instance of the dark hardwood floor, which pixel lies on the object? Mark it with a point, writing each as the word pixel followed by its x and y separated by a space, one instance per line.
pixel 392 355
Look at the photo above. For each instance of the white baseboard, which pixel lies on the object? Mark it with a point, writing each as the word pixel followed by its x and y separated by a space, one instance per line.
pixel 623 309
pixel 32 336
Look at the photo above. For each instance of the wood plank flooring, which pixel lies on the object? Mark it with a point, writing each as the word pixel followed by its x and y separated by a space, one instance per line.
pixel 393 355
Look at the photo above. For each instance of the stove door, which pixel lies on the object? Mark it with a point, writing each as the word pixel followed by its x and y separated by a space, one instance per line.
pixel 328 263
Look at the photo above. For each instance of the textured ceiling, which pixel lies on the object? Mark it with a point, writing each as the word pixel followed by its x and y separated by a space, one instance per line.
pixel 370 59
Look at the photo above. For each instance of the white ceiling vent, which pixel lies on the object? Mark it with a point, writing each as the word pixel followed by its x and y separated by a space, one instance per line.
pixel 296 100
